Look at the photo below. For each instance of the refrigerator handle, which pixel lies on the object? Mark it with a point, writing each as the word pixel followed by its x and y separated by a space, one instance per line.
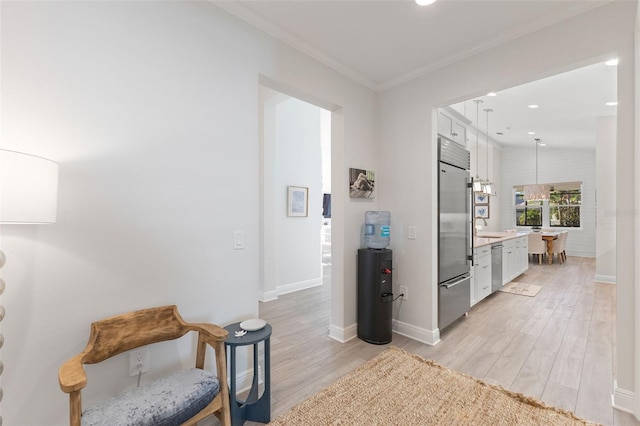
pixel 464 278
pixel 469 230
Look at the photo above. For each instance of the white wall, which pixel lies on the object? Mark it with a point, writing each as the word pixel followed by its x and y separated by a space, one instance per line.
pixel 554 165
pixel 151 109
pixel 408 145
pixel 490 167
pixel 298 163
pixel 606 200
pixel 291 155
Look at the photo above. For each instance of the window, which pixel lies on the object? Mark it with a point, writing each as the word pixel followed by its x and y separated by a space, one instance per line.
pixel 528 213
pixel 562 210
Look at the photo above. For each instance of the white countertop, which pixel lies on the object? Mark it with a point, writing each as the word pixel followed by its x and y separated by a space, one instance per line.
pixel 486 238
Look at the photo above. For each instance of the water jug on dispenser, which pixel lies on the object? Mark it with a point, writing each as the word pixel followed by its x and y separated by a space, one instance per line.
pixel 377 229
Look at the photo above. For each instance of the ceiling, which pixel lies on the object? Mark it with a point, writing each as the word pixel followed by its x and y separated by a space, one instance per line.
pixel 569 104
pixel 383 43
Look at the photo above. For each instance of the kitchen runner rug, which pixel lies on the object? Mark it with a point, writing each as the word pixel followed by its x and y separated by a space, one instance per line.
pixel 399 388
pixel 521 288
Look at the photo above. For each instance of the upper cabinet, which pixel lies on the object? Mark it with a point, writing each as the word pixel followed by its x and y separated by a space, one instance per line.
pixel 452 125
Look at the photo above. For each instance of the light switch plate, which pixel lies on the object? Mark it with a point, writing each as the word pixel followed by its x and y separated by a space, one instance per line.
pixel 412 233
pixel 238 240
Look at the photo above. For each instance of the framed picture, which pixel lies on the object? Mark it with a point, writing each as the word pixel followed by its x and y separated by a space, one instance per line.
pixel 362 183
pixel 482 199
pixel 482 212
pixel 298 201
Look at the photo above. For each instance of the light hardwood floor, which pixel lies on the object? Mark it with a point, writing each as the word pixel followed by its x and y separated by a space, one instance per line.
pixel 557 346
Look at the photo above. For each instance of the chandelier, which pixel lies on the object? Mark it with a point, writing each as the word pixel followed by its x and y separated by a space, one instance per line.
pixel 537 191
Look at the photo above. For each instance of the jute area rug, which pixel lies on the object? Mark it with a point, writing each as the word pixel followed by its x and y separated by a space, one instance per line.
pixel 399 388
pixel 523 289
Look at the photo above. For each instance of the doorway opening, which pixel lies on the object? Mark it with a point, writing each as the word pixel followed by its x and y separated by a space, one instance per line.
pixel 296 197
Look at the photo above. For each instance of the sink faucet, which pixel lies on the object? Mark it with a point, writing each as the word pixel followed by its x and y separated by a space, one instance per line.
pixel 475 225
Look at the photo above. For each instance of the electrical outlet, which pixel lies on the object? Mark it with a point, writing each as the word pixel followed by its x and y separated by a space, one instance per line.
pixel 405 292
pixel 138 361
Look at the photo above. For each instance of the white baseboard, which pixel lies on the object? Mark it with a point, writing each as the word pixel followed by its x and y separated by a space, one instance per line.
pixel 267 296
pixel 623 399
pixel 245 378
pixel 343 335
pixel 430 337
pixel 580 254
pixel 243 383
pixel 609 279
pixel 300 285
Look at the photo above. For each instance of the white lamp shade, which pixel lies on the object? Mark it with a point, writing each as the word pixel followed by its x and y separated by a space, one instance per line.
pixel 28 188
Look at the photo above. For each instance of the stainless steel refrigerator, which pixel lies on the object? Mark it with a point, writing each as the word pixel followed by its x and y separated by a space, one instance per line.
pixel 454 232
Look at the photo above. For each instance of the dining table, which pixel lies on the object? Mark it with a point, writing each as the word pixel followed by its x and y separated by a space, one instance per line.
pixel 549 237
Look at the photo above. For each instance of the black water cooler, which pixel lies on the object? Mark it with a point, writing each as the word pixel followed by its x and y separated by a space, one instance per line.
pixel 375 299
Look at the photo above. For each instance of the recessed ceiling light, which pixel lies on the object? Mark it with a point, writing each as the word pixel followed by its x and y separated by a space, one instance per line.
pixel 614 103
pixel 543 144
pixel 612 62
pixel 534 106
pixel 425 2
pixel 531 133
pixel 492 94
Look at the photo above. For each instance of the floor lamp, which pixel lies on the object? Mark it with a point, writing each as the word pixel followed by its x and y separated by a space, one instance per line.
pixel 28 195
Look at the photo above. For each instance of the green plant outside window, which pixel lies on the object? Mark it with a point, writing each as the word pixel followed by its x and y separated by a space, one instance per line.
pixel 563 207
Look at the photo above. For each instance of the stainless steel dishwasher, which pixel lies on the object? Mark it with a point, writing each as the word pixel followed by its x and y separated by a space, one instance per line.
pixel 496 267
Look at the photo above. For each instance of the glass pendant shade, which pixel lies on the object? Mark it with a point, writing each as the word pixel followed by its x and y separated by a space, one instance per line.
pixel 488 188
pixel 478 186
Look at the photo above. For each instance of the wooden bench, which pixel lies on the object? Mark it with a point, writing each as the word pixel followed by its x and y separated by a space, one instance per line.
pixel 182 398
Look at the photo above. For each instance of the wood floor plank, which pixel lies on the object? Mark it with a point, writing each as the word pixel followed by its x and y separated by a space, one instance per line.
pixel 456 357
pixel 511 360
pixel 532 378
pixel 567 368
pixel 560 396
pixel 595 389
pixel 552 335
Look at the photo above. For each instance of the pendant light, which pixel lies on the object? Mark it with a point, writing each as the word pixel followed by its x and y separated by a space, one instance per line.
pixel 488 186
pixel 538 191
pixel 477 182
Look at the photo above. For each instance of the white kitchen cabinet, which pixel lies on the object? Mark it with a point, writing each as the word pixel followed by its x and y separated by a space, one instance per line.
pixel 514 258
pixel 508 259
pixel 522 255
pixel 452 127
pixel 481 286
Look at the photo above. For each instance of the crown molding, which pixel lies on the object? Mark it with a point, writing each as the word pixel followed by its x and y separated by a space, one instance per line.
pixel 252 18
pixel 532 27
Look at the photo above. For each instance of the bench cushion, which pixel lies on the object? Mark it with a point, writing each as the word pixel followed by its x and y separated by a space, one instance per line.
pixel 168 401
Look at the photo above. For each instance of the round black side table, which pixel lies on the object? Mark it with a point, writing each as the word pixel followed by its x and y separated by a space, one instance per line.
pixel 254 408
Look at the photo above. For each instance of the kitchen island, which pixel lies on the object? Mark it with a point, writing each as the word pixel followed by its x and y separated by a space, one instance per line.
pixel 486 238
pixel 498 258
